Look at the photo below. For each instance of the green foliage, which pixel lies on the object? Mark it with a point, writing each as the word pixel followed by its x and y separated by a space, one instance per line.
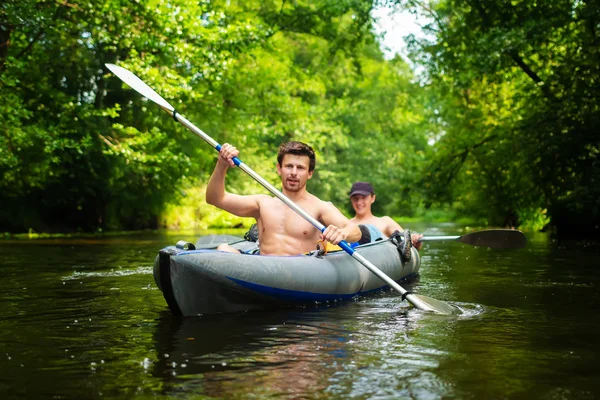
pixel 63 165
pixel 515 103
pixel 81 151
pixel 190 211
pixel 500 131
pixel 351 106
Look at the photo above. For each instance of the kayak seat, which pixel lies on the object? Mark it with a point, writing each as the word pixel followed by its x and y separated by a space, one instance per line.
pixel 252 234
pixel 404 244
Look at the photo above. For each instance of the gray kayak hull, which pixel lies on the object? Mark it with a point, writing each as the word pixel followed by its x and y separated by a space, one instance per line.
pixel 206 281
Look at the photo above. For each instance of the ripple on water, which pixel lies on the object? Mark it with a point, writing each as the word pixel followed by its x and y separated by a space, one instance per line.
pixel 468 310
pixel 111 273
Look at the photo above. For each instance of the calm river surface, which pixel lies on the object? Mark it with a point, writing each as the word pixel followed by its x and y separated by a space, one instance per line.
pixel 83 319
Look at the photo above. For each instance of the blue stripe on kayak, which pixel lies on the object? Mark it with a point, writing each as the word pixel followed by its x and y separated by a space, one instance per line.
pixel 297 296
pixel 294 295
pixel 183 253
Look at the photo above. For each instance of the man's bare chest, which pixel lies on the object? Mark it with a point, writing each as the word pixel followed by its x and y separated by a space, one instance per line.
pixel 278 218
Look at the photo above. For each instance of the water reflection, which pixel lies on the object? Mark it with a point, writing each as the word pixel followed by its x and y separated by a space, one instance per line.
pixel 289 352
pixel 85 320
pixel 396 353
pixel 363 348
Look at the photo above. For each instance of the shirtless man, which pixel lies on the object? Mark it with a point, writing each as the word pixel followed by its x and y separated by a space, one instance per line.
pixel 362 197
pixel 280 230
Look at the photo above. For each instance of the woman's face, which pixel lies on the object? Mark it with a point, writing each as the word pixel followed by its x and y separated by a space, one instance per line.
pixel 362 203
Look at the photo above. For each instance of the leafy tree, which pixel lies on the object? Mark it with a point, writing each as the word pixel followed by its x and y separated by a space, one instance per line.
pixel 80 150
pixel 517 103
pixel 70 160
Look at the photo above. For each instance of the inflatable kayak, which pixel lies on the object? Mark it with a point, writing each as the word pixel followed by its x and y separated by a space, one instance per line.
pixel 199 280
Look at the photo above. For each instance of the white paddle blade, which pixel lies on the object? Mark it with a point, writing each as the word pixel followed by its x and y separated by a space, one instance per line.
pixel 139 86
pixel 430 304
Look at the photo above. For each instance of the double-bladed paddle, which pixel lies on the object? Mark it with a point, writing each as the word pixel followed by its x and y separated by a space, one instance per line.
pixel 419 301
pixel 493 238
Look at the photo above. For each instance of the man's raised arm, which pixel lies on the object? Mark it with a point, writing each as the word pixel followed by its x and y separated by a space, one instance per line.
pixel 216 195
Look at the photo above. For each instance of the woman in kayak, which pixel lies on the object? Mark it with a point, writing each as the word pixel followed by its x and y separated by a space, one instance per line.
pixel 362 197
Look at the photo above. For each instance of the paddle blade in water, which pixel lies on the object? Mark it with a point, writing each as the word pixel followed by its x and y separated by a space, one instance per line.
pixel 430 304
pixel 139 86
pixel 496 239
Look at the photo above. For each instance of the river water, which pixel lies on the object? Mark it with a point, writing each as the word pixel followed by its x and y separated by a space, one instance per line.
pixel 83 319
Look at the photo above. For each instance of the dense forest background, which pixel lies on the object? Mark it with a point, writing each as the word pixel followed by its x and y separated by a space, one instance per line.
pixel 497 124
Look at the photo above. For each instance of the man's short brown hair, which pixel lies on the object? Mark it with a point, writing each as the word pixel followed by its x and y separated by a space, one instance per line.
pixel 297 149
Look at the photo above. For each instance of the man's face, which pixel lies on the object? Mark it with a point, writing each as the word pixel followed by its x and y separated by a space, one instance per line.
pixel 362 203
pixel 294 172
